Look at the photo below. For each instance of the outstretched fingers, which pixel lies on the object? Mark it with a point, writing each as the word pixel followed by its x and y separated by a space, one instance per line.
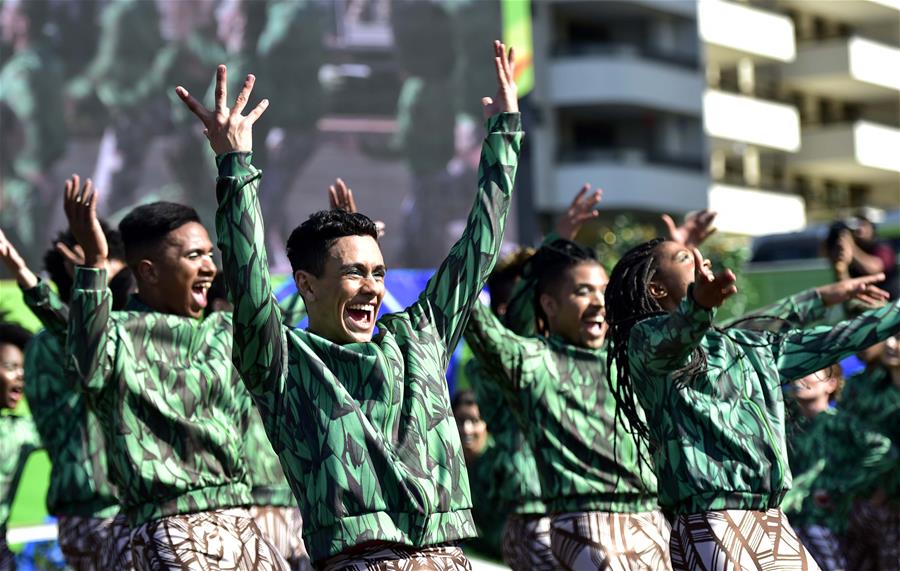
pixel 222 90
pixel 195 106
pixel 243 96
pixel 257 112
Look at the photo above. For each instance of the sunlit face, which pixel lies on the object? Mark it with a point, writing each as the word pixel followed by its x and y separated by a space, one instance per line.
pixel 181 272
pixel 890 357
pixel 472 430
pixel 344 301
pixel 674 273
pixel 814 387
pixel 576 310
pixel 12 375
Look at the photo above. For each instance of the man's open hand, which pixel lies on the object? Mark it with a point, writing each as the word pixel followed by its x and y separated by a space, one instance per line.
pixel 227 130
pixel 507 98
pixel 81 209
pixel 582 209
pixel 14 262
pixel 697 227
pixel 859 289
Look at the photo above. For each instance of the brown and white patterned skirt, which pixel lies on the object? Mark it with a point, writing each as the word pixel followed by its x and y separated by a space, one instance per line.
pixel 613 541
pixel 225 540
pixel 733 540
pixel 283 527
pixel 94 543
pixel 526 544
pixel 380 557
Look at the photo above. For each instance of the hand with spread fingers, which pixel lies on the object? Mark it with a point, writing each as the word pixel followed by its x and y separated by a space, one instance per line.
pixel 582 209
pixel 16 265
pixel 81 210
pixel 697 227
pixel 340 197
pixel 858 289
pixel 711 290
pixel 507 98
pixel 226 128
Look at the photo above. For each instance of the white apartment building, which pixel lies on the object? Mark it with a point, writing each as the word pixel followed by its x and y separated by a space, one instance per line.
pixel 774 113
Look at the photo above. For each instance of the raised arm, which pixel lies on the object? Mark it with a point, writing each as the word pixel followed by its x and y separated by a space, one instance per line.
pixel 800 352
pixel 40 299
pixel 499 351
pixel 805 308
pixel 87 343
pixel 451 292
pixel 259 351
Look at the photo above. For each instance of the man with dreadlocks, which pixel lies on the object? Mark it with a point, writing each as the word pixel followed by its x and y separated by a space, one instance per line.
pixel 712 398
pixel 603 506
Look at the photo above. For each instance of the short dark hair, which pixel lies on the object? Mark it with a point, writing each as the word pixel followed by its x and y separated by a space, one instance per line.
pixel 308 245
pixel 55 263
pixel 503 279
pixel 465 397
pixel 146 226
pixel 14 334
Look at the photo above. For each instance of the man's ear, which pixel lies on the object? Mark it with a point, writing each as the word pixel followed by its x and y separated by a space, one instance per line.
pixel 548 305
pixel 657 290
pixel 306 285
pixel 146 272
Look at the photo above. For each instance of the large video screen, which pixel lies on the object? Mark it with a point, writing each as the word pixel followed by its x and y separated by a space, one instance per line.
pixel 384 94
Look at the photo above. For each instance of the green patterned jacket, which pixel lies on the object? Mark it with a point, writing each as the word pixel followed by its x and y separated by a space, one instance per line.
pixel 561 400
pixel 70 432
pixel 719 438
pixel 364 430
pixel 875 401
pixel 510 468
pixel 171 405
pixel 18 439
pixel 834 453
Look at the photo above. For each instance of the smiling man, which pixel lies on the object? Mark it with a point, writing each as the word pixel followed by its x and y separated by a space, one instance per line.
pixel 159 377
pixel 361 422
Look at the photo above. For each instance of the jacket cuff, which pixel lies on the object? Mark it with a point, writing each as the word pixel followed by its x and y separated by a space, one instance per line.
pixel 235 165
pixel 504 123
pixel 90 278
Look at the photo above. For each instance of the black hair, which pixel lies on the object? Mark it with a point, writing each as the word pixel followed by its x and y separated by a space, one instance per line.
pixel 503 279
pixel 146 226
pixel 308 245
pixel 14 334
pixel 547 269
pixel 465 397
pixel 122 285
pixel 55 263
pixel 628 301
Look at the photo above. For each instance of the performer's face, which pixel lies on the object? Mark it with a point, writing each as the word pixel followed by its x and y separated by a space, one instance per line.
pixel 180 273
pixel 344 301
pixel 674 273
pixel 890 356
pixel 12 375
pixel 576 310
pixel 472 430
pixel 814 387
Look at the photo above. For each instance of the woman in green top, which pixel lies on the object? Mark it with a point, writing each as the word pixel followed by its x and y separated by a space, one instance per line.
pixel 834 459
pixel 712 398
pixel 18 435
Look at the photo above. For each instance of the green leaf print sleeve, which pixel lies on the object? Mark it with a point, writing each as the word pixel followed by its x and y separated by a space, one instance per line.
pixel 451 292
pixel 46 305
pixel 663 344
pixel 797 311
pixel 498 350
pixel 259 351
pixel 87 342
pixel 800 352
pixel 870 453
